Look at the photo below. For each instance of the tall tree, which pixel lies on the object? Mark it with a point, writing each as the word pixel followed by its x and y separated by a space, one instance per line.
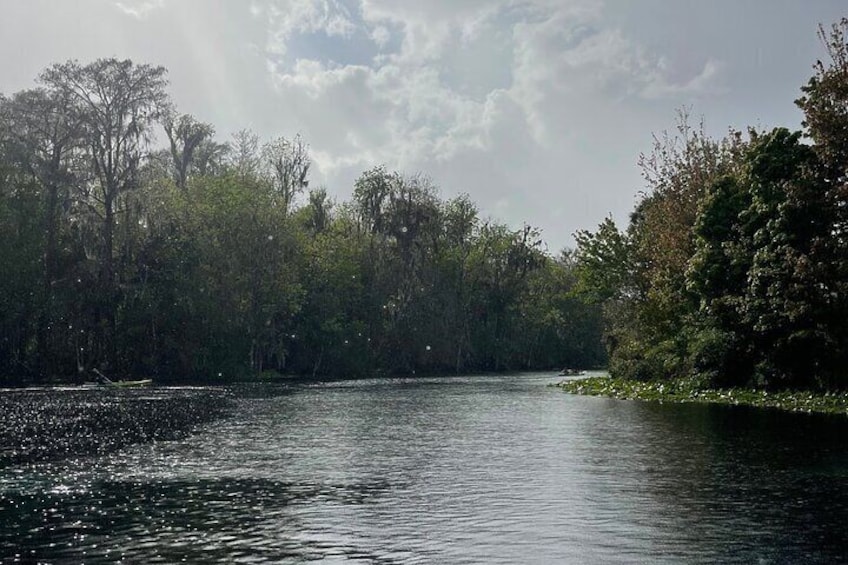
pixel 116 103
pixel 43 139
pixel 21 245
pixel 825 102
pixel 763 270
pixel 288 163
pixel 244 155
pixel 185 136
pixel 44 132
pixel 825 106
pixel 370 197
pixel 318 211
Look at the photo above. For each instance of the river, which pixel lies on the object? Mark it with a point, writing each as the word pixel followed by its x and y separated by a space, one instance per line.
pixel 446 470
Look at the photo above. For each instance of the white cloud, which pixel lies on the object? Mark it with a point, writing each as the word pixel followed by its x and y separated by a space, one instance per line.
pixel 556 49
pixel 707 81
pixel 481 93
pixel 381 35
pixel 429 28
pixel 568 62
pixel 287 17
pixel 139 9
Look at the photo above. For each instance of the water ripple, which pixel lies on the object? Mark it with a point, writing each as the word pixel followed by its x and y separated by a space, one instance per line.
pixel 468 470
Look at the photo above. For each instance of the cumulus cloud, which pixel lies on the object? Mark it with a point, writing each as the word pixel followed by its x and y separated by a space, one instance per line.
pixel 430 98
pixel 449 86
pixel 381 35
pixel 288 17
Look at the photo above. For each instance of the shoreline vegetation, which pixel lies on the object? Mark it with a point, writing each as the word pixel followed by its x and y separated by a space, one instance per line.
pixel 203 259
pixel 688 390
pixel 732 273
pixel 207 261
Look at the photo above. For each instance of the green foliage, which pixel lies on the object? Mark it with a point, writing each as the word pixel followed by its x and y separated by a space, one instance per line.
pixel 604 260
pixel 195 263
pixel 824 100
pixel 733 269
pixel 752 302
pixel 762 266
pixel 639 275
pixel 21 241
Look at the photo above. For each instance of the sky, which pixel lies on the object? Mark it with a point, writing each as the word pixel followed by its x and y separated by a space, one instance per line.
pixel 537 109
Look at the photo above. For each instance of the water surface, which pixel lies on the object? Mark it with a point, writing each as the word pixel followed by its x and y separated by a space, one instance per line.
pixel 452 470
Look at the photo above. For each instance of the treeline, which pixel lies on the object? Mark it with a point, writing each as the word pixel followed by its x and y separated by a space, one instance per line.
pixel 213 261
pixel 734 268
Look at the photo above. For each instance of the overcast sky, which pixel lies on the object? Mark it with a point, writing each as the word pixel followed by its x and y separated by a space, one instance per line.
pixel 538 109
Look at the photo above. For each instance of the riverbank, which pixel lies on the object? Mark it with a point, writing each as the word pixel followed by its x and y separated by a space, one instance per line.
pixel 689 390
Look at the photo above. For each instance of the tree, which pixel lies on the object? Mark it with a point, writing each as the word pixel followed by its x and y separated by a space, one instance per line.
pixel 640 275
pixel 210 157
pixel 194 262
pixel 44 140
pixel 556 328
pixel 501 264
pixel 763 270
pixel 185 136
pixel 334 333
pixel 461 224
pixel 318 211
pixel 116 103
pixel 825 102
pixel 825 106
pixel 244 156
pixel 43 134
pixel 604 263
pixel 370 196
pixel 21 270
pixel 288 162
pixel 791 282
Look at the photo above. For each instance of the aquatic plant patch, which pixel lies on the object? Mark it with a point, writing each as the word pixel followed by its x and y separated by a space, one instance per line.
pixel 690 390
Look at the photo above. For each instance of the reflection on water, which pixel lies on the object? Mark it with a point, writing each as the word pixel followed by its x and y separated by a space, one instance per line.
pixel 460 470
pixel 169 521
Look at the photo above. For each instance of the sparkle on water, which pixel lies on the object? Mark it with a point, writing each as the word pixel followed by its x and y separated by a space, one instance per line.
pixel 446 470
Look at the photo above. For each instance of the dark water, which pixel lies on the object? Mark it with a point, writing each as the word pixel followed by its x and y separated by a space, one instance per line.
pixel 459 470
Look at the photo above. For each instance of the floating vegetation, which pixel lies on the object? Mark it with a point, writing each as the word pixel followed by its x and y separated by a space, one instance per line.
pixel 690 390
pixel 42 424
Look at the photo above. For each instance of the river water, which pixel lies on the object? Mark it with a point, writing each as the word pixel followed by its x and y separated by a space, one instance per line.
pixel 446 470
